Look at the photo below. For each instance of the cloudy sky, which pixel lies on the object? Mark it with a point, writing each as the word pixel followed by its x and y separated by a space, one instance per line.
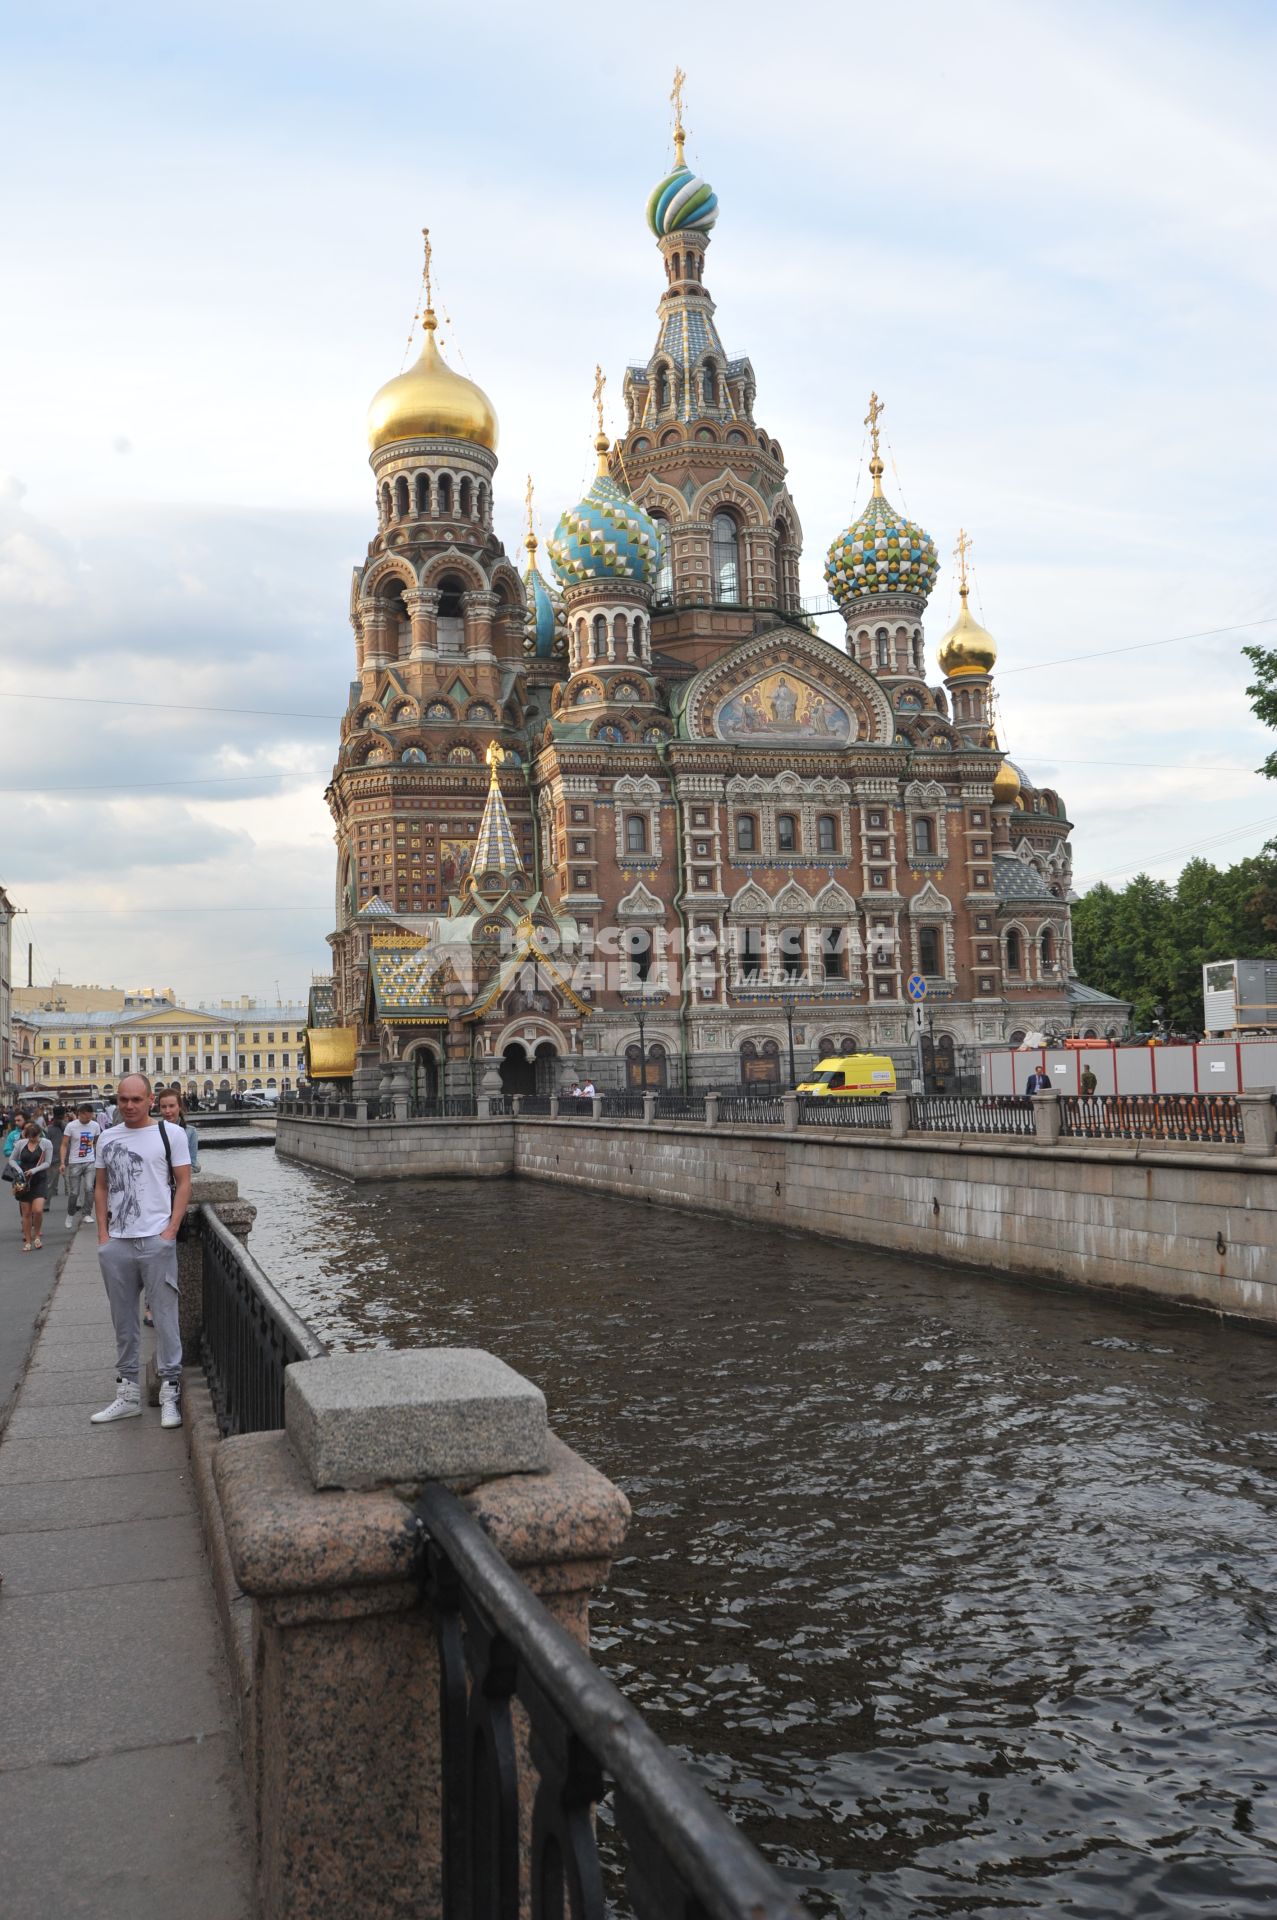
pixel 1047 236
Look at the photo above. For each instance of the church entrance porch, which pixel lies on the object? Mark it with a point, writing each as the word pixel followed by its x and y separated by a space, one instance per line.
pixel 530 1072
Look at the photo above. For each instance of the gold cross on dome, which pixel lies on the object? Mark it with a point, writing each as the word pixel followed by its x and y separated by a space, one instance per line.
pixel 960 553
pixel 676 96
pixel 600 381
pixel 876 408
pixel 425 235
pixel 527 501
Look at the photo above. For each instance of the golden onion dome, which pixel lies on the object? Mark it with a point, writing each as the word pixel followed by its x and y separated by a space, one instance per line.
pixel 1006 785
pixel 431 402
pixel 967 647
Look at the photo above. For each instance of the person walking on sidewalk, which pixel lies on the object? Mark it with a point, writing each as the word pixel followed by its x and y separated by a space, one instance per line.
pixel 173 1109
pixel 140 1198
pixel 30 1162
pixel 80 1162
pixel 53 1134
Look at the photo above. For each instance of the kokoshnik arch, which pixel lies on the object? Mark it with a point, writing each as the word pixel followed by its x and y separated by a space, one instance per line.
pixel 657 746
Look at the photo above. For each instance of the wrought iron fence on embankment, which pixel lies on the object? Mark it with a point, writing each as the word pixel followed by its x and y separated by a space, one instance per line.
pixel 497 1643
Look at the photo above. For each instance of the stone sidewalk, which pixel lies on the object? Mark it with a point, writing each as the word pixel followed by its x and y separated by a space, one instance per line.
pixel 121 1790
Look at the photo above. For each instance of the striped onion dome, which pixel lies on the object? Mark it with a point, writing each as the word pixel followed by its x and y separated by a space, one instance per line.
pixel 681 202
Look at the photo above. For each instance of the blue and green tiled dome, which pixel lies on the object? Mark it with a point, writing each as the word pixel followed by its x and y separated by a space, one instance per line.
pixel 681 203
pixel 605 536
pixel 544 608
pixel 881 553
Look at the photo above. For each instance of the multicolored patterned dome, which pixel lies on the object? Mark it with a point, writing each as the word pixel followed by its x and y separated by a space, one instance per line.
pixel 545 609
pixel 881 552
pixel 605 536
pixel 681 202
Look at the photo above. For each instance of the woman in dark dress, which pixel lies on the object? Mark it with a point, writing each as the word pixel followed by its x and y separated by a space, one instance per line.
pixel 31 1160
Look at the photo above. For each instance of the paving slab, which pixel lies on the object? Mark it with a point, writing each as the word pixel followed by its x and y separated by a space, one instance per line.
pixel 72 1845
pixel 61 1389
pixel 116 1553
pixel 94 1451
pixel 38 1504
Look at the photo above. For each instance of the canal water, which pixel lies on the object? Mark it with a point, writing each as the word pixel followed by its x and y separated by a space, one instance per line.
pixel 958 1594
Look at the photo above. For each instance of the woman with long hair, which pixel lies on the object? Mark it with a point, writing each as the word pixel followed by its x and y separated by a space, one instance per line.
pixel 31 1159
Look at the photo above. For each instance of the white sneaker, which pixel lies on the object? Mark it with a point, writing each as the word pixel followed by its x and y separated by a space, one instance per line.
pixel 170 1405
pixel 127 1404
pixel 70 1222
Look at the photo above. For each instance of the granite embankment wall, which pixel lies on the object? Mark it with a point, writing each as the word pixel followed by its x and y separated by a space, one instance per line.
pixel 1196 1228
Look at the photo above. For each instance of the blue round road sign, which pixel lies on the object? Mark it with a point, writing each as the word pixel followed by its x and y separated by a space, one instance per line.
pixel 917 987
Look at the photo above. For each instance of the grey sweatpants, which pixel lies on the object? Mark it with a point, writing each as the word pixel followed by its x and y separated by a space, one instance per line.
pixel 80 1189
pixel 130 1267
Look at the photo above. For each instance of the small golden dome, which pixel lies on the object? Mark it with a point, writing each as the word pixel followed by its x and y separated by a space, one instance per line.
pixel 1006 785
pixel 431 402
pixel 967 647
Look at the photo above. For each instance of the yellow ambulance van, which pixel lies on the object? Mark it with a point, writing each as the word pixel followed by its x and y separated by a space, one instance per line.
pixel 867 1075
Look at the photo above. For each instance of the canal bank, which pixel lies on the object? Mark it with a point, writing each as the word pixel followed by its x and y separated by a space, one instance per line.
pixel 1190 1227
pixel 957 1595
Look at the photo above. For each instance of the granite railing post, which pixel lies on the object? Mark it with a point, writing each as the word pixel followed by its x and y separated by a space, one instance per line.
pixel 1259 1123
pixel 711 1109
pixel 596 1107
pixel 1046 1118
pixel 554 1106
pixel 649 1109
pixel 898 1115
pixel 344 1740
pixel 789 1112
pixel 516 1104
pixel 361 1110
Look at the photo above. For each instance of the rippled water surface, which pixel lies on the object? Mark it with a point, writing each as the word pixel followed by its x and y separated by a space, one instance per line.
pixel 959 1594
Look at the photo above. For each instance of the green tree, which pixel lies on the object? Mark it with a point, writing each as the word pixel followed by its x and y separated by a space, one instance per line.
pixel 1262 694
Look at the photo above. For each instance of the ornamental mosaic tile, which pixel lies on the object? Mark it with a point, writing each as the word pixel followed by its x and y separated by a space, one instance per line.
pixel 604 537
pixel 881 552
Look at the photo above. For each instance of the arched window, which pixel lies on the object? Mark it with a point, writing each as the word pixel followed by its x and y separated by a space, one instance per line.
pixel 600 636
pixel 1015 954
pixel 880 643
pixel 637 943
pixel 725 558
pixel 662 389
pixel 467 498
pixel 620 628
pixel 793 957
pixel 451 589
pixel 664 584
pixel 1048 950
pixel 444 491
pixel 709 387
pixel 423 493
pixel 929 950
pixel 924 836
pixel 635 833
pixel 746 833
pixel 751 952
pixel 827 833
pixel 786 833
pixel 401 498
pixel 832 954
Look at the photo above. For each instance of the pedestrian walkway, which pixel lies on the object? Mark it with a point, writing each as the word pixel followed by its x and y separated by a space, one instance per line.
pixel 121 1792
pixel 26 1281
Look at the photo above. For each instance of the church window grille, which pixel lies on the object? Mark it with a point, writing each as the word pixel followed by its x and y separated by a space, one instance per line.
pixel 786 833
pixel 832 956
pixel 725 559
pixel 827 833
pixel 924 836
pixel 746 833
pixel 635 833
pixel 929 950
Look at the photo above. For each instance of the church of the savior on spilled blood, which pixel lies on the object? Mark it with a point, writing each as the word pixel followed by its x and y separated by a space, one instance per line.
pixel 636 816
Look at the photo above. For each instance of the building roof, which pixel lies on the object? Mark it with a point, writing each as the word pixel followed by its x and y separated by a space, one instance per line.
pixel 1081 995
pixel 1017 880
pixel 163 1018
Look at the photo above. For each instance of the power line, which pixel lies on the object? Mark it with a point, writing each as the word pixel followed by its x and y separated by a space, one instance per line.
pixel 1139 646
pixel 1190 846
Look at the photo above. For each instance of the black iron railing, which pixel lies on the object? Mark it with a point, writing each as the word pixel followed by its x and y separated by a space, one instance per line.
pixel 249 1334
pixel 991 1113
pixel 842 1110
pixel 534 1103
pixel 1213 1117
pixel 622 1106
pixel 498 1644
pixel 442 1106
pixel 680 1106
pixel 750 1110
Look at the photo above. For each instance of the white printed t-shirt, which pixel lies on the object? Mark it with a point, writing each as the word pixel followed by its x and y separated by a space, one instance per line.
pixel 138 1199
pixel 81 1143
